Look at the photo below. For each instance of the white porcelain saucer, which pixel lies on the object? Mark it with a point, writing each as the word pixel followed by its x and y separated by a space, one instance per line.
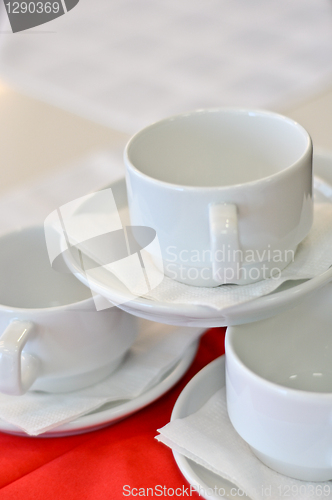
pixel 196 393
pixel 111 413
pixel 288 294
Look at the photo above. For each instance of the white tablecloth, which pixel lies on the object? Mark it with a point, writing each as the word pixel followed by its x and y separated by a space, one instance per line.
pixel 126 63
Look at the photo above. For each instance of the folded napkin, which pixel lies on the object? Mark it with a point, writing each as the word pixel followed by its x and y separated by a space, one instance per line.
pixel 208 438
pixel 312 258
pixel 157 349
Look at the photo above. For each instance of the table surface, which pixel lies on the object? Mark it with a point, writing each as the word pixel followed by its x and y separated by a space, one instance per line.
pixel 37 138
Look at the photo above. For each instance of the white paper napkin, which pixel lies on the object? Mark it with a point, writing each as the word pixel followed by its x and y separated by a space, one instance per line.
pixel 313 257
pixel 208 438
pixel 157 349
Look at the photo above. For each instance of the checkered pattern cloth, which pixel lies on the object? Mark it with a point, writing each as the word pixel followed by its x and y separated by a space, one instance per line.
pixel 126 63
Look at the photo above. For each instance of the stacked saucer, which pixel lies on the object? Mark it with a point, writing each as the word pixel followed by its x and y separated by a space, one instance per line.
pixel 183 305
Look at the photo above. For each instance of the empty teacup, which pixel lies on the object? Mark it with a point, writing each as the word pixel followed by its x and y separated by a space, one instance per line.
pixel 279 388
pixel 228 191
pixel 52 337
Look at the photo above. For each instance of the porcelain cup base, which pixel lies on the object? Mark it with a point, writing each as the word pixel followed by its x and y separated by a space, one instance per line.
pixel 294 471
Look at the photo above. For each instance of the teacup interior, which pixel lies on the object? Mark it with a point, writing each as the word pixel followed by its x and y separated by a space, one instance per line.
pixel 27 279
pixel 218 148
pixel 293 349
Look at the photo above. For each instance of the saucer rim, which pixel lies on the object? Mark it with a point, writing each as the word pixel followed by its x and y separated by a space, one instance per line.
pixel 179 411
pixel 103 418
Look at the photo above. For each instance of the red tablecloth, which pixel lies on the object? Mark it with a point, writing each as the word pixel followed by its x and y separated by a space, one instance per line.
pixel 98 465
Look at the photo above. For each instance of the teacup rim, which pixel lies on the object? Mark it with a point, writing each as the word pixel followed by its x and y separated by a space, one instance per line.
pixel 180 187
pixel 298 394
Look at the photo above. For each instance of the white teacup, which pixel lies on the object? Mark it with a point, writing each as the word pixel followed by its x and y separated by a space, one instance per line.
pixel 228 191
pixel 52 337
pixel 279 387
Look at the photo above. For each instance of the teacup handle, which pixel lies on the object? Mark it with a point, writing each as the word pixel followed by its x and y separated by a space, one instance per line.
pixel 18 370
pixel 224 241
